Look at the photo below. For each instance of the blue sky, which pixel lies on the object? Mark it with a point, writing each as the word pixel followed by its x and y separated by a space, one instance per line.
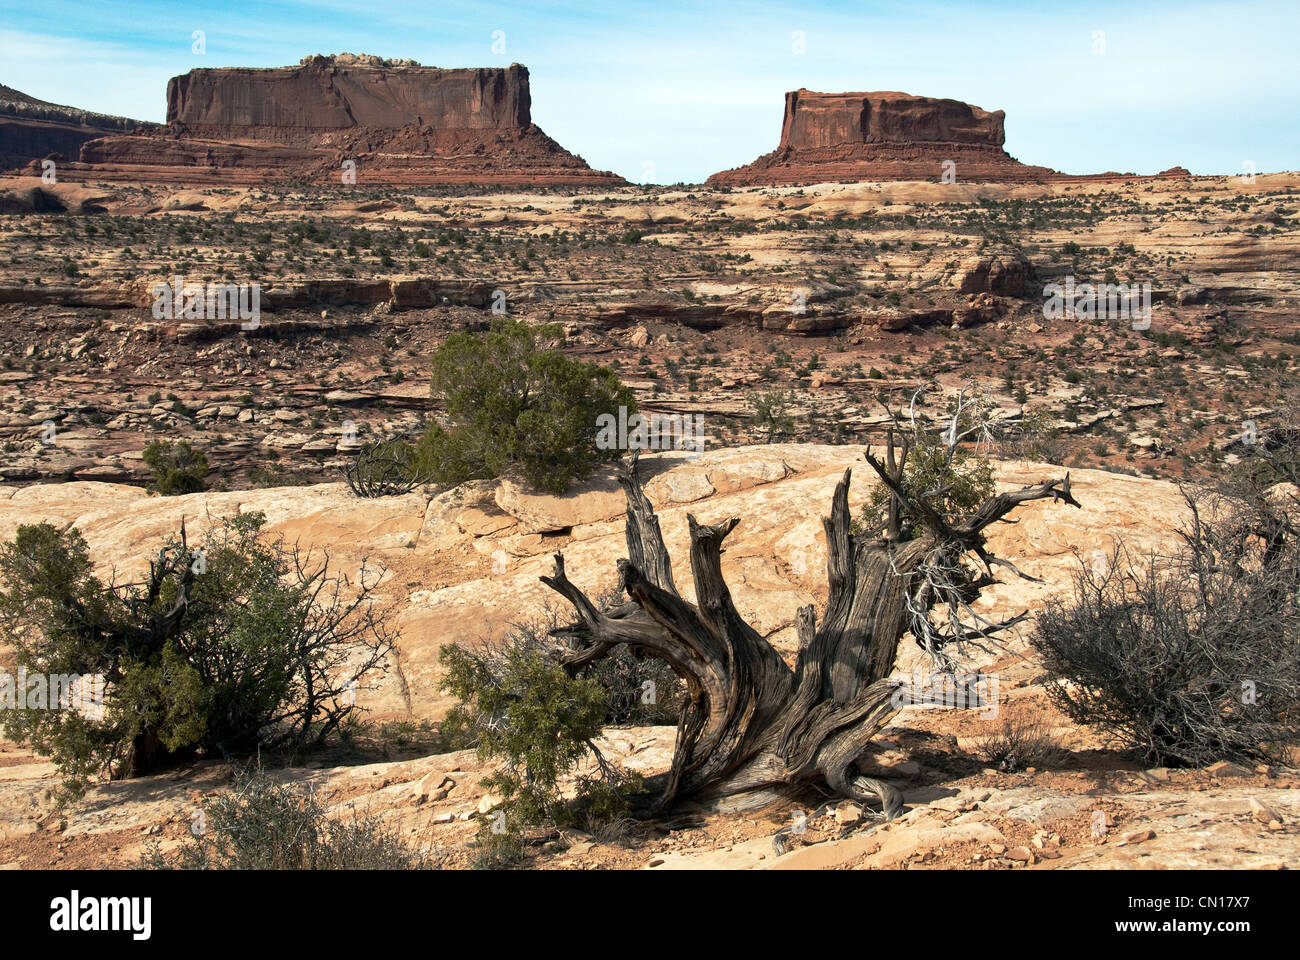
pixel 671 91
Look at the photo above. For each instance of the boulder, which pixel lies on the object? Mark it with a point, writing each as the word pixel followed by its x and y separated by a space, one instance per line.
pixel 1004 272
pixel 1225 769
pixel 597 499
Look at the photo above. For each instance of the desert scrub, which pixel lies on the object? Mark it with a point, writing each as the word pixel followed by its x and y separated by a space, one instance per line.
pixel 951 479
pixel 176 467
pixel 520 706
pixel 384 468
pixel 1019 744
pixel 262 825
pixel 514 402
pixel 771 412
pixel 1032 438
pixel 237 643
pixel 1192 658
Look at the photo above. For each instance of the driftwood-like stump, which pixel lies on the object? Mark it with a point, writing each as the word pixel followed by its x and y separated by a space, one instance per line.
pixel 752 730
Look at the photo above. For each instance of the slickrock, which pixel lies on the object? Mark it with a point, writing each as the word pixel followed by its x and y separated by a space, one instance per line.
pixel 439 552
pixel 464 565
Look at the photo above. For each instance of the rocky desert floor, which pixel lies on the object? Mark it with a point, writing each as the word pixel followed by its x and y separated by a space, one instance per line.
pixel 840 297
pixel 463 566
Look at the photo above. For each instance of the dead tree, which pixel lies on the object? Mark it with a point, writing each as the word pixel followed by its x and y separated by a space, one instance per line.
pixel 383 469
pixel 753 731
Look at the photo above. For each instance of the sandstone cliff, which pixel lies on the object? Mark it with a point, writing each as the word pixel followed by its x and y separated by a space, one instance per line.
pixel 290 104
pixel 32 129
pixel 887 135
pixel 397 121
pixel 814 120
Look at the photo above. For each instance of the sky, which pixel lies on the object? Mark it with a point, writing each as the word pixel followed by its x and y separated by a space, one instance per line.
pixel 669 92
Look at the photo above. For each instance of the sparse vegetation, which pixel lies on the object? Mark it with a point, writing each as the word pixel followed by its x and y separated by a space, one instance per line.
pixel 383 469
pixel 1018 745
pixel 772 418
pixel 518 704
pixel 259 824
pixel 953 479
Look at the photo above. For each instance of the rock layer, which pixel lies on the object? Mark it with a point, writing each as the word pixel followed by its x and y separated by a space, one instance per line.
pixel 398 122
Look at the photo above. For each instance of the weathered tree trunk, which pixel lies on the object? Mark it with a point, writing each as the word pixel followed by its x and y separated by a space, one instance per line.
pixel 754 731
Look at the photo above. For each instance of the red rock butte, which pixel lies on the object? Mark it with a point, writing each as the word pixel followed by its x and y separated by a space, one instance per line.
pixel 397 121
pixel 886 135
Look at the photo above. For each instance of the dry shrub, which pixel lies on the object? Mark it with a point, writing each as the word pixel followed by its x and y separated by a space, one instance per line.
pixel 1018 744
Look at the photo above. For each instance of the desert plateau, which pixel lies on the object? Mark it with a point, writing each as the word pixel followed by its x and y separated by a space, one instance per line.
pixel 386 486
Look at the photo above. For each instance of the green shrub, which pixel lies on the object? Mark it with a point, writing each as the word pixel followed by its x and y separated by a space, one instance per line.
pixel 177 467
pixel 772 417
pixel 242 643
pixel 518 704
pixel 953 487
pixel 1033 438
pixel 511 403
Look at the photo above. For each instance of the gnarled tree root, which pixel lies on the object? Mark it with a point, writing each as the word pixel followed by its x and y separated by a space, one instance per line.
pixel 753 731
